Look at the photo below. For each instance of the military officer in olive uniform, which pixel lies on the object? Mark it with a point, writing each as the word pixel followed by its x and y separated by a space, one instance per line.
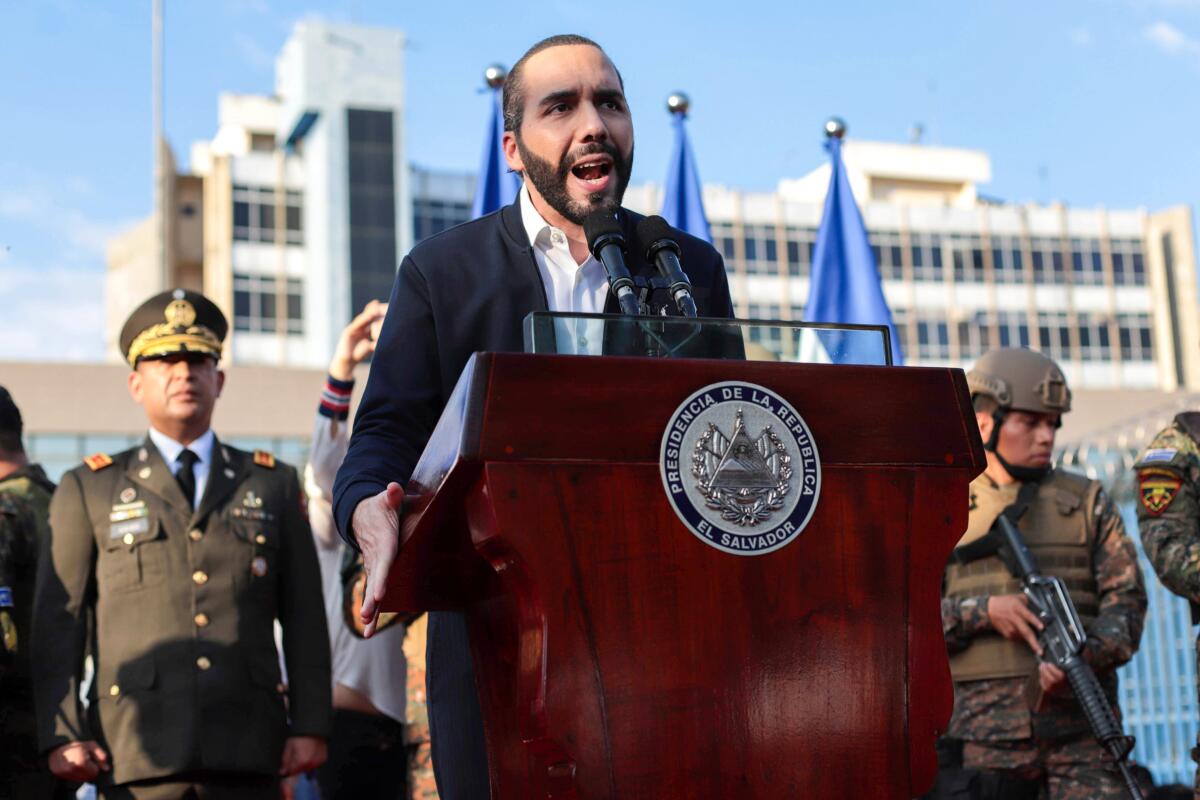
pixel 183 551
pixel 1169 514
pixel 1020 727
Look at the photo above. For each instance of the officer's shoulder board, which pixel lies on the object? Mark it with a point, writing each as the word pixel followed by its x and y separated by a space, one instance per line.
pixel 264 459
pixel 98 461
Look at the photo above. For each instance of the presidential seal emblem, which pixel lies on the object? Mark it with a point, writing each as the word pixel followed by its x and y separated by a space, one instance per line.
pixel 740 468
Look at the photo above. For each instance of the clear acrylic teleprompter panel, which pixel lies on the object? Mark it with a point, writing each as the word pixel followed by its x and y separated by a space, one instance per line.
pixel 701 337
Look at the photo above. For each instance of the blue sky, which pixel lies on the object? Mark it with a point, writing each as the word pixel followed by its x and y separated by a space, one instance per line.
pixel 1092 103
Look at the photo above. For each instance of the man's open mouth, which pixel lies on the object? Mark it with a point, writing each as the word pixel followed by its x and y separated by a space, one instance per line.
pixel 593 171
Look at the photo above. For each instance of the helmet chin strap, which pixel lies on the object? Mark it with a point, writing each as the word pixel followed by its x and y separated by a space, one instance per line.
pixel 1022 474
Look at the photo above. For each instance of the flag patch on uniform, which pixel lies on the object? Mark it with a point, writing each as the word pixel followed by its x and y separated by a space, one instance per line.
pixel 1159 454
pixel 1158 488
pixel 264 459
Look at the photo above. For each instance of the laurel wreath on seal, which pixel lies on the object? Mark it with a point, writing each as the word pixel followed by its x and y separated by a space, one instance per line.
pixel 745 507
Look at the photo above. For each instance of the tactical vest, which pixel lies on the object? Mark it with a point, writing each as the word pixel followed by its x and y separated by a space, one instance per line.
pixel 1059 526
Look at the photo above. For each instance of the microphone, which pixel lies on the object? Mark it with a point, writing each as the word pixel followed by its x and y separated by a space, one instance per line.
pixel 655 235
pixel 607 243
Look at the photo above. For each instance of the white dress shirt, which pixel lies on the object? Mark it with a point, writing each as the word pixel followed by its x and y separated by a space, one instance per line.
pixel 202 447
pixel 570 286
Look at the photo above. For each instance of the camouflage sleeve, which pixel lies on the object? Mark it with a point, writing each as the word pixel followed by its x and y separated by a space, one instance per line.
pixel 1168 511
pixel 962 619
pixel 1114 635
pixel 10 561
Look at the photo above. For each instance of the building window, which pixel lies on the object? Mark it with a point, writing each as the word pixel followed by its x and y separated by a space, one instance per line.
pixel 432 216
pixel 254 215
pixel 1054 335
pixel 974 336
pixel 1087 267
pixel 885 246
pixel 1129 266
pixel 1047 261
pixel 1006 259
pixel 1136 339
pixel 256 301
pixel 933 338
pixel 770 337
pixel 1095 344
pixel 968 259
pixel 1013 329
pixel 927 256
pixel 800 244
pixel 370 159
pixel 762 256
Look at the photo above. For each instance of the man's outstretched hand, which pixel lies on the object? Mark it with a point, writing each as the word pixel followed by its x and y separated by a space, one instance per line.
pixel 376 523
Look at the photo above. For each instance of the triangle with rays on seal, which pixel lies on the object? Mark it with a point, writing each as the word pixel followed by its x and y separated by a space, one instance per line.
pixel 742 466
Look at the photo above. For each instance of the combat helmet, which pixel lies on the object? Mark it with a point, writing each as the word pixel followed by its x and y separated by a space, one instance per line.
pixel 1019 379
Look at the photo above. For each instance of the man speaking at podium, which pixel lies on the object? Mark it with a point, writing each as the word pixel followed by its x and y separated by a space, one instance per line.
pixel 569 134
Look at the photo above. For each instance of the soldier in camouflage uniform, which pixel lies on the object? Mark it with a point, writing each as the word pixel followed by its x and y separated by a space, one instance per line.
pixel 1022 731
pixel 24 520
pixel 1168 513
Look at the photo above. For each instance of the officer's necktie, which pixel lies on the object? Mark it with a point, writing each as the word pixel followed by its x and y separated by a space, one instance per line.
pixel 187 475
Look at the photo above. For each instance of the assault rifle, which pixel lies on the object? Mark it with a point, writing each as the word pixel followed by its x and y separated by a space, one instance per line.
pixel 1062 639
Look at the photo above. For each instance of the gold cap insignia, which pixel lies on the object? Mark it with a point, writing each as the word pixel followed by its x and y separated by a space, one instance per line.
pixel 180 313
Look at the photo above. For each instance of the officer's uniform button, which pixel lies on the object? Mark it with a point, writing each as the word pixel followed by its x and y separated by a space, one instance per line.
pixel 127 538
pixel 200 577
pixel 203 663
pixel 114 690
pixel 195 534
pixel 201 620
pixel 260 539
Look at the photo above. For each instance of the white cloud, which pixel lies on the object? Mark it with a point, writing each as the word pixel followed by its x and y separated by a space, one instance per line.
pixel 1171 40
pixel 52 271
pixel 51 313
pixel 1080 37
pixel 36 208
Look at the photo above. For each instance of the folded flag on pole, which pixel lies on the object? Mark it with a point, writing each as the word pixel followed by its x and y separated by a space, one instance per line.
pixel 845 285
pixel 683 203
pixel 497 186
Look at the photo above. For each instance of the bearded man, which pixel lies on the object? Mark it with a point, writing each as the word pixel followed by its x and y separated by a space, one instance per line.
pixel 569 133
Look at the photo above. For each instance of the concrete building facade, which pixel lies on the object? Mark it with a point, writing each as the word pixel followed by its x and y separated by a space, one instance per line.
pixel 295 213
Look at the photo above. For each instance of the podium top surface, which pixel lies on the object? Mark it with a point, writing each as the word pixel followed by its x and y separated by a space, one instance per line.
pixel 511 406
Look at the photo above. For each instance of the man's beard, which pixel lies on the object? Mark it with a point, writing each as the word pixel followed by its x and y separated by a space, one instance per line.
pixel 551 181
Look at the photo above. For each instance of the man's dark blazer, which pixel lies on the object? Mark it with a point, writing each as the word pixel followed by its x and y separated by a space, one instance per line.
pixel 465 290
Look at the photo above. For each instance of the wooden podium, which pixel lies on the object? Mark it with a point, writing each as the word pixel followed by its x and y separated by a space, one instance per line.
pixel 619 656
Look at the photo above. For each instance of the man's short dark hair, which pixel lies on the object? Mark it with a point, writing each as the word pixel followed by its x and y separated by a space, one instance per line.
pixel 514 90
pixel 11 425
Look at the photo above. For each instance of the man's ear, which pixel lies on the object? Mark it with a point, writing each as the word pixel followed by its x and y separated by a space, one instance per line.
pixel 135 386
pixel 512 153
pixel 220 382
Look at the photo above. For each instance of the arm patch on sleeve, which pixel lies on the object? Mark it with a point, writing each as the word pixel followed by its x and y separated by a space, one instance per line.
pixel 264 459
pixel 1157 489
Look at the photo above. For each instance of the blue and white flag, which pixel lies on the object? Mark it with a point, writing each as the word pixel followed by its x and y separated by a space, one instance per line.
pixel 845 285
pixel 683 203
pixel 497 186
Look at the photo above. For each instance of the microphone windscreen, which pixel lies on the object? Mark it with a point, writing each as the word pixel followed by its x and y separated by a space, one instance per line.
pixel 601 223
pixel 654 229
